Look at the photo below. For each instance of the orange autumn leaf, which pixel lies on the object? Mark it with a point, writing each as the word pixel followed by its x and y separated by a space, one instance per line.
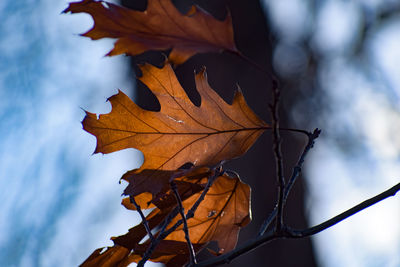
pixel 219 217
pixel 180 132
pixel 187 186
pixel 160 27
pixel 115 256
pixel 131 239
pixel 169 252
pixel 143 200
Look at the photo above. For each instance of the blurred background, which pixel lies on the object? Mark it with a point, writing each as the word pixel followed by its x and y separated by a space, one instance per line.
pixel 338 67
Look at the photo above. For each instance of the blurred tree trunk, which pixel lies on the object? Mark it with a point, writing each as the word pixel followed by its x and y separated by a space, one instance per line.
pixel 257 167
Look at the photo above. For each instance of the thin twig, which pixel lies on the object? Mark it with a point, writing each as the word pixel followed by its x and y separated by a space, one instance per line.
pixel 218 171
pixel 267 222
pixel 295 173
pixel 278 155
pixel 289 233
pixel 297 169
pixel 232 173
pixel 144 220
pixel 344 215
pixel 185 225
pixel 295 130
pixel 267 74
pixel 240 250
pixel 159 237
pixel 190 213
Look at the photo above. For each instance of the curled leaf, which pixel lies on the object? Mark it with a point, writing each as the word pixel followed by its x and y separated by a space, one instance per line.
pixel 157 182
pixel 160 27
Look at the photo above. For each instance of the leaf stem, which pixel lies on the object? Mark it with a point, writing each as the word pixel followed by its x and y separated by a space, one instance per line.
pixel 255 65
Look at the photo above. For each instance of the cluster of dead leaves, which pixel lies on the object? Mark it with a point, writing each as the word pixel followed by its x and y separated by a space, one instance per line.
pixel 180 133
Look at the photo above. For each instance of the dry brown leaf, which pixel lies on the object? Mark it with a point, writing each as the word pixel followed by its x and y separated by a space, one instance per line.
pixel 115 256
pixel 187 187
pixel 171 253
pixel 160 27
pixel 224 210
pixel 131 239
pixel 143 200
pixel 180 132
pixel 157 182
pixel 219 217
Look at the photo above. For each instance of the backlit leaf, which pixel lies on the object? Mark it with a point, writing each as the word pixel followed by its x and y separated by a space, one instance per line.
pixel 180 132
pixel 160 27
pixel 224 210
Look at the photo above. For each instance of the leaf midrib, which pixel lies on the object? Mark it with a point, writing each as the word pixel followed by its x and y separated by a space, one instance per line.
pixel 186 133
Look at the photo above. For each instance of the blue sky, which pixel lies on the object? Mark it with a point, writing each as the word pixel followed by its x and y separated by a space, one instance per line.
pixel 58 202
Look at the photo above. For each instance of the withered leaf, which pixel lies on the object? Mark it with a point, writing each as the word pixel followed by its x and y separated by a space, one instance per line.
pixel 160 27
pixel 219 217
pixel 187 187
pixel 131 239
pixel 180 132
pixel 171 253
pixel 116 256
pixel 143 200
pixel 157 182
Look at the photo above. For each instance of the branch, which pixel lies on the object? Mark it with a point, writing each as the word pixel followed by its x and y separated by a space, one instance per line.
pixel 144 220
pixel 185 225
pixel 218 172
pixel 267 222
pixel 344 215
pixel 290 233
pixel 240 250
pixel 159 237
pixel 297 169
pixel 278 155
pixel 190 213
pixel 295 173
